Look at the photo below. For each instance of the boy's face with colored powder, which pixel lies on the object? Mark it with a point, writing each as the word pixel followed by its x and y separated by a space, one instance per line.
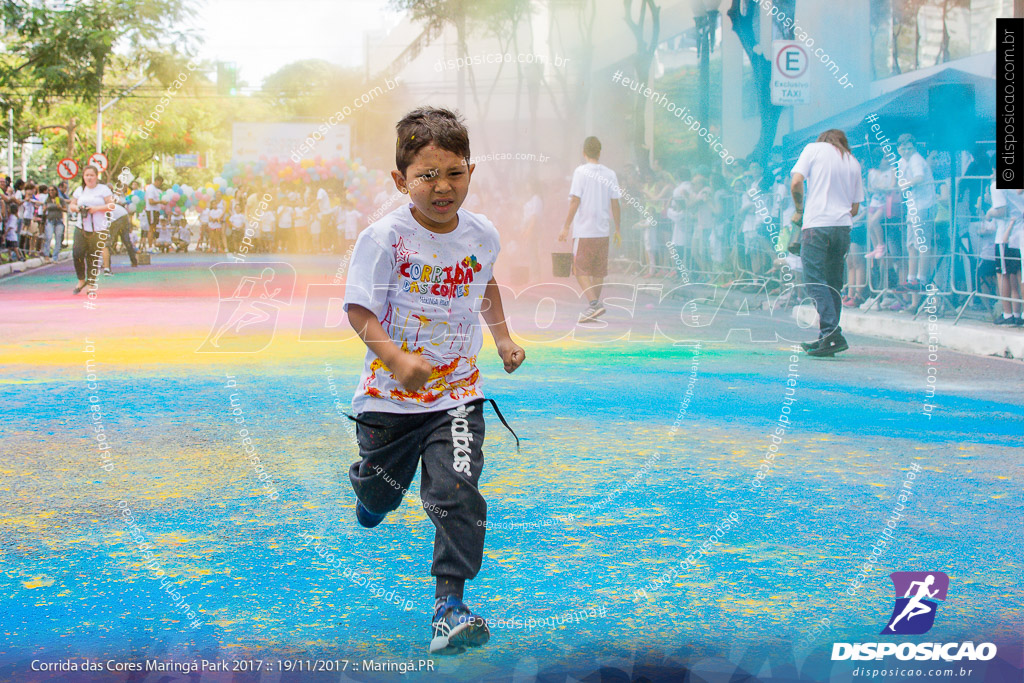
pixel 437 181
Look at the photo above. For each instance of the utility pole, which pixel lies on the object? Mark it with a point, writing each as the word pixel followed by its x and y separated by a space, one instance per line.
pixel 102 108
pixel 10 141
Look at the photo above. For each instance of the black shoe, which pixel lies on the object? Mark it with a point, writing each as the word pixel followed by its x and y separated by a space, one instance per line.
pixel 1002 320
pixel 834 334
pixel 454 628
pixel 367 518
pixel 1018 321
pixel 830 346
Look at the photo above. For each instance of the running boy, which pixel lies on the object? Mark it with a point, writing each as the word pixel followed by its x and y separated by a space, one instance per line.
pixel 419 277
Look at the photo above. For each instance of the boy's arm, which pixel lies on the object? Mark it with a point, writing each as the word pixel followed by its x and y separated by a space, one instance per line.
pixel 617 217
pixel 411 370
pixel 512 355
pixel 574 204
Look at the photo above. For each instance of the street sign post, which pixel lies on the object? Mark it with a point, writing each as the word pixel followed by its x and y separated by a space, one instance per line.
pixel 67 168
pixel 790 82
pixel 99 160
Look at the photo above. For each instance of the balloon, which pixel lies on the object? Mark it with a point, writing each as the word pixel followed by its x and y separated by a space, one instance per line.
pixel 176 188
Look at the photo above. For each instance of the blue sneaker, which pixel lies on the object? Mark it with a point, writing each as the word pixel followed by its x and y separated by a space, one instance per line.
pixel 367 518
pixel 455 628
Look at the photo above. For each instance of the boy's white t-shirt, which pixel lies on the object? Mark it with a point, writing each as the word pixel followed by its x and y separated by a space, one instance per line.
pixel 352 224
pixel 596 185
pixel 284 217
pixel 917 166
pixel 267 221
pixel 238 221
pixel 834 185
pixel 153 198
pixel 426 289
pixel 323 201
pixel 1009 229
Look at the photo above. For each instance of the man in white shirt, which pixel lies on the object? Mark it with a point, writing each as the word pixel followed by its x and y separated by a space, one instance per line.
pixel 1008 213
pixel 326 214
pixel 914 174
pixel 120 227
pixel 835 191
pixel 593 200
pixel 153 208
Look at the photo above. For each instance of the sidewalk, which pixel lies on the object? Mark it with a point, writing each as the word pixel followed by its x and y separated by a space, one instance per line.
pixel 968 336
pixel 29 264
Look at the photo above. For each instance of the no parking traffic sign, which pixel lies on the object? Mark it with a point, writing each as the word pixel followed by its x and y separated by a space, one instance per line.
pixel 67 168
pixel 790 82
pixel 99 160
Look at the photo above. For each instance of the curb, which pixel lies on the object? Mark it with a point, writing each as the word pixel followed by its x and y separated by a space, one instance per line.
pixel 968 337
pixel 31 264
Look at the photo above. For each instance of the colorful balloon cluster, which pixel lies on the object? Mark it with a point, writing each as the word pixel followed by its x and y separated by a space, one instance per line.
pixel 360 183
pixel 185 196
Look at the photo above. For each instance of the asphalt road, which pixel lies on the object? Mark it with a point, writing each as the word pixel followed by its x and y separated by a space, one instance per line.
pixel 634 451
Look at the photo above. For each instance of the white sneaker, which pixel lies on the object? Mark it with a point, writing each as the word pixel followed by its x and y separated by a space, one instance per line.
pixel 592 313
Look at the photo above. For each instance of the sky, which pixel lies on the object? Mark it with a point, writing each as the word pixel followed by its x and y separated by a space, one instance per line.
pixel 261 36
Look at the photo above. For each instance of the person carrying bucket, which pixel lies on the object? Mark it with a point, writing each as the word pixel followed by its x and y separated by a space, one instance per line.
pixel 593 200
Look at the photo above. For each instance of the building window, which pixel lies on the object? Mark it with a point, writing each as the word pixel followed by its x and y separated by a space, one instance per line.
pixel 907 35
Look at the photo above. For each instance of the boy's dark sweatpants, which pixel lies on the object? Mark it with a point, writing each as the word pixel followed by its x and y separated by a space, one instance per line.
pixel 450 444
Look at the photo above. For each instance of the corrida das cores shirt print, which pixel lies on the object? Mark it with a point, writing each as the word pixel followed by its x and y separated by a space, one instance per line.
pixel 426 289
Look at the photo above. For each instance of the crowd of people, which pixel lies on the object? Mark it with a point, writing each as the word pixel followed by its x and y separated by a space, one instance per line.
pixel 722 225
pixel 694 223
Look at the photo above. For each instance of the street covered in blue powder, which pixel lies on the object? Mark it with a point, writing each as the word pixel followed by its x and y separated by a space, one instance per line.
pixel 511 341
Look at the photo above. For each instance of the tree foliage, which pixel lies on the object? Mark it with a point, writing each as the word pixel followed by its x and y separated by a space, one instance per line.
pixel 56 54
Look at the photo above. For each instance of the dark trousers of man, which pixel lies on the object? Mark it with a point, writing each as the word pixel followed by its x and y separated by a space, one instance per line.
pixel 450 444
pixel 823 251
pixel 87 253
pixel 122 228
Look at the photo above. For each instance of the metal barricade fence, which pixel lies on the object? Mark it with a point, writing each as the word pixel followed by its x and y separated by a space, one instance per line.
pixel 971 236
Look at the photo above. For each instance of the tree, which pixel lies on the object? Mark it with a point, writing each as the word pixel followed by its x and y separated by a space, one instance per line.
pixel 64 54
pixel 575 92
pixel 947 5
pixel 904 14
pixel 646 39
pixel 744 17
pixel 54 56
pixel 309 87
pixel 437 13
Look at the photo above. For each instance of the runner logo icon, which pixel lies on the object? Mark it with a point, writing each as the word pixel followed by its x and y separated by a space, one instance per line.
pixel 914 612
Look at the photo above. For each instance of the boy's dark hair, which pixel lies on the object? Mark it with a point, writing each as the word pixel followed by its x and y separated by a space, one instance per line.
pixel 592 148
pixel 427 125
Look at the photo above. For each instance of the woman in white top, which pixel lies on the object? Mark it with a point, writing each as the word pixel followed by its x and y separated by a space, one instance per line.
pixel 216 218
pixel 882 203
pixel 285 238
pixel 92 200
